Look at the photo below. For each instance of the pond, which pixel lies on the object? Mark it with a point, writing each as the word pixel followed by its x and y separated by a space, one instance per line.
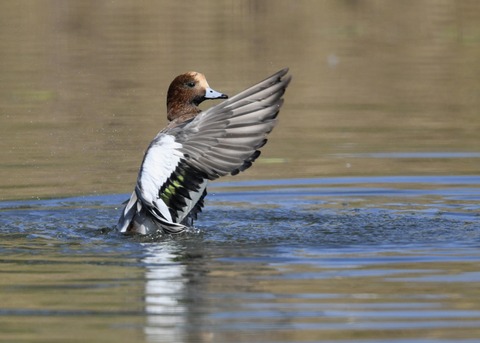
pixel 296 260
pixel 359 222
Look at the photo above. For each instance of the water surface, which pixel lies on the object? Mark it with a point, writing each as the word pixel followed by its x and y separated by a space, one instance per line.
pixel 84 83
pixel 359 222
pixel 305 260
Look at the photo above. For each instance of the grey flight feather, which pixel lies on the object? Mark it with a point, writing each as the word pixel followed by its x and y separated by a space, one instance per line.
pixel 223 139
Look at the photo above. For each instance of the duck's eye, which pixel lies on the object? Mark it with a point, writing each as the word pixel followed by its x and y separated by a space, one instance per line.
pixel 191 84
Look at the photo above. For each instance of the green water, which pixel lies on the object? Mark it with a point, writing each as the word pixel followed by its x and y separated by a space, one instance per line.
pixel 359 222
pixel 83 85
pixel 297 260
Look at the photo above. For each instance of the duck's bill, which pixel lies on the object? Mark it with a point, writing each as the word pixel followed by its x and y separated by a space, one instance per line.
pixel 213 94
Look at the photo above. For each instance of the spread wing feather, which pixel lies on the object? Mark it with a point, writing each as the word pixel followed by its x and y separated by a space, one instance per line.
pixel 225 139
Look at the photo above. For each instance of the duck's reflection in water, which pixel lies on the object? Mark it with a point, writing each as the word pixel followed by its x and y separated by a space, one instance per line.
pixel 164 293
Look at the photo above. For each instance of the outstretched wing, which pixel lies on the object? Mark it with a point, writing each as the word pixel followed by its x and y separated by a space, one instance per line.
pixel 225 139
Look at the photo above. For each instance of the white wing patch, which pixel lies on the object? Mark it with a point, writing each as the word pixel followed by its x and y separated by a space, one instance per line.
pixel 161 159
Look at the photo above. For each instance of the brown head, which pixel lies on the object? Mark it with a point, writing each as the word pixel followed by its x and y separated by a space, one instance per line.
pixel 186 92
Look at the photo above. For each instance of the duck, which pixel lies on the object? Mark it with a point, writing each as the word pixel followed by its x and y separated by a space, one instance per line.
pixel 197 147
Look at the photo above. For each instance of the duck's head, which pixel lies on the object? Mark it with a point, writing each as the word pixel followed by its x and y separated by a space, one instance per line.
pixel 186 92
